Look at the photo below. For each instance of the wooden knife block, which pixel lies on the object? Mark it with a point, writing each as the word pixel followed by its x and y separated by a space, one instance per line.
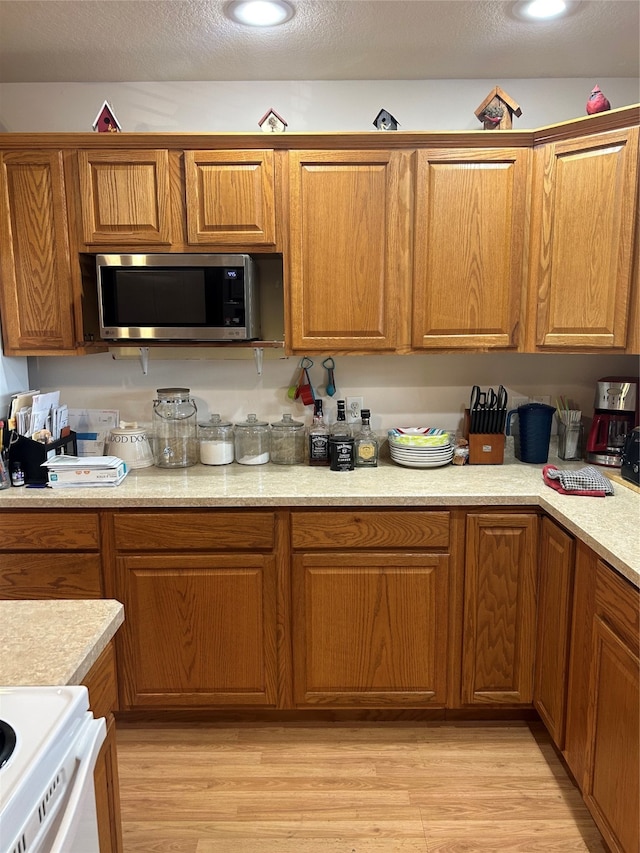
pixel 486 448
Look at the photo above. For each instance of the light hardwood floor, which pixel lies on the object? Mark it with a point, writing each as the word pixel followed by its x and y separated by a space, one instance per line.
pixel 336 788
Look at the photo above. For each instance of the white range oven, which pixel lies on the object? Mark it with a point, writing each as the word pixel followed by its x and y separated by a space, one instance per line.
pixel 49 743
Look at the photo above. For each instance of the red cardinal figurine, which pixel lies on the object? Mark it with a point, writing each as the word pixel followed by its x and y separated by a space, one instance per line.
pixel 597 102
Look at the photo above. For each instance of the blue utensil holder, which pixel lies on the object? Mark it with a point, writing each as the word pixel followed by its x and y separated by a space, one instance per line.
pixel 531 442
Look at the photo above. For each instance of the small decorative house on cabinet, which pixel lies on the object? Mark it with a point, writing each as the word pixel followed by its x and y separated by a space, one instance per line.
pixel 271 122
pixel 497 110
pixel 106 121
pixel 385 121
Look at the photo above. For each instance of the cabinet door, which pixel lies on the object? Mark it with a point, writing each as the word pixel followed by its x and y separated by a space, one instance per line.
pixel 555 577
pixel 200 630
pixel 582 248
pixel 36 289
pixel 349 247
pixel 370 629
pixel 499 609
pixel 470 248
pixel 612 789
pixel 580 650
pixel 125 197
pixel 230 198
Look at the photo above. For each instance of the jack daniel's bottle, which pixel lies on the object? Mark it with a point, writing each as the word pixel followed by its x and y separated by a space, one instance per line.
pixel 341 427
pixel 318 437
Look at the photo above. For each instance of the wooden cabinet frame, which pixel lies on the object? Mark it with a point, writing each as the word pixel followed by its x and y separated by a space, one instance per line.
pixel 365 231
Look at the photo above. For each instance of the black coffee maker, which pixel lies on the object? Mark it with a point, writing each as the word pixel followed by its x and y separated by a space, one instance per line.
pixel 630 469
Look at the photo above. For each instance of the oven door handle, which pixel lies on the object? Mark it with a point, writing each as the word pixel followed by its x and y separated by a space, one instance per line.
pixel 86 757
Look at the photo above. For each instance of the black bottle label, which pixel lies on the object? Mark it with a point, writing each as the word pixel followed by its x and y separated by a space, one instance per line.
pixel 319 449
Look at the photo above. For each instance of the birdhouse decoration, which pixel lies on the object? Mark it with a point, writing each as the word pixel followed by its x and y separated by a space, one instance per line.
pixel 271 122
pixel 106 121
pixel 597 102
pixel 497 110
pixel 385 121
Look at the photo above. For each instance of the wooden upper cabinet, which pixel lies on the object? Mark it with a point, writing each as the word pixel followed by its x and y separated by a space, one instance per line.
pixel 125 197
pixel 582 247
pixel 230 197
pixel 37 288
pixel 499 608
pixel 349 267
pixel 470 246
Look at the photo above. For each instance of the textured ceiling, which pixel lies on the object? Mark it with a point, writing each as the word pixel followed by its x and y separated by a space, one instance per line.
pixel 161 40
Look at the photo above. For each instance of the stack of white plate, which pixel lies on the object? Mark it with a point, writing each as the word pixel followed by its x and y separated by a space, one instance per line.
pixel 420 447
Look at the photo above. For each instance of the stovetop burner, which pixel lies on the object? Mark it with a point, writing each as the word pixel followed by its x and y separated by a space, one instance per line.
pixel 7 742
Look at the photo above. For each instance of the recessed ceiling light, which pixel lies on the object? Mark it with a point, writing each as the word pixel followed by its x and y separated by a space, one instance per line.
pixel 544 10
pixel 259 13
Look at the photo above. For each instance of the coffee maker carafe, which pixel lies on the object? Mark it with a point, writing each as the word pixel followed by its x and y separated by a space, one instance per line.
pixel 614 417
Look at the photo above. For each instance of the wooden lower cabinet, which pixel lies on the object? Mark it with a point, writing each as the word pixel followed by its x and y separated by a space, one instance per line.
pixel 370 613
pixel 603 707
pixel 103 697
pixel 370 629
pixel 201 626
pixel 555 587
pixel 499 608
pixel 612 789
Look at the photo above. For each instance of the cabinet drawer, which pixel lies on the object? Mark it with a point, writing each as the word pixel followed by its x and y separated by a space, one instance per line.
pixel 617 603
pixel 402 529
pixel 49 531
pixel 50 576
pixel 101 683
pixel 195 531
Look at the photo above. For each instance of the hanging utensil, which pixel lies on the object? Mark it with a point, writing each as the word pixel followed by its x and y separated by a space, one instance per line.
pixel 330 386
pixel 292 392
pixel 304 391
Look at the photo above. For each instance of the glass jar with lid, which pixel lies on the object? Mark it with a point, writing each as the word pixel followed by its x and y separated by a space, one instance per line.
pixel 287 441
pixel 252 441
pixel 175 428
pixel 216 441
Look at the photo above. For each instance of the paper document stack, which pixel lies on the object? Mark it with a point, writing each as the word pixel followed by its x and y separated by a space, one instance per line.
pixel 86 471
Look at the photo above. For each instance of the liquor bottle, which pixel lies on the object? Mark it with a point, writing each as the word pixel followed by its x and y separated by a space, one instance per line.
pixel 341 427
pixel 318 437
pixel 366 443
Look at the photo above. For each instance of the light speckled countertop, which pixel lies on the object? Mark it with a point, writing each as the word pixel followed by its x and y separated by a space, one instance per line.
pixel 54 642
pixel 611 526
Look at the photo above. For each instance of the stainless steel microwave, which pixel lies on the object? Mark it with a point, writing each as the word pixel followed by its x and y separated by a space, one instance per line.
pixel 177 297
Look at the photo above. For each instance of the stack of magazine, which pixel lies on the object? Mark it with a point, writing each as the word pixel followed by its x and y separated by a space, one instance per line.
pixel 85 471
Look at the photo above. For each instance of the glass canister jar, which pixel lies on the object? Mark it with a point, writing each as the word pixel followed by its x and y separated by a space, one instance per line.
pixel 252 441
pixel 287 441
pixel 216 441
pixel 175 428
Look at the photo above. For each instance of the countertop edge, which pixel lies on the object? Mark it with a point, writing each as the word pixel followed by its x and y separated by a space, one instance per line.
pixel 54 642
